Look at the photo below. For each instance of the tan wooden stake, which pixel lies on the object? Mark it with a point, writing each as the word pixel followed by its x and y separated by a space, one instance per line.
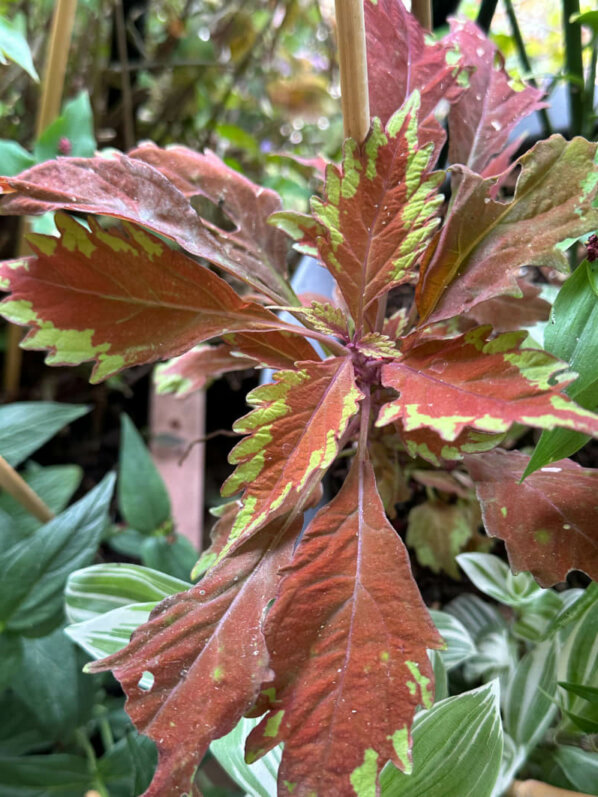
pixel 535 788
pixel 422 11
pixel 49 108
pixel 18 488
pixel 353 67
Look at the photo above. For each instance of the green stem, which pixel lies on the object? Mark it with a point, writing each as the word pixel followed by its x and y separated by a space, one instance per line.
pixel 485 14
pixel 525 63
pixel 574 66
pixel 92 762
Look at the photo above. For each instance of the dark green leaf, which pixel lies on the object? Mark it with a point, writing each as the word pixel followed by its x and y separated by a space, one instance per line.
pixel 142 497
pixel 51 683
pixel 75 124
pixel 44 776
pixel 26 425
pixel 11 651
pixel 173 555
pixel 144 757
pixel 19 730
pixel 580 767
pixel 589 693
pixel 34 571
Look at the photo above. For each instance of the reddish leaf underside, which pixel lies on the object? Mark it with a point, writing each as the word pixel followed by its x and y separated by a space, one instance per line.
pixel 196 368
pixel 206 651
pixel 481 121
pixel 401 62
pixel 129 189
pixel 347 637
pixel 377 215
pixel 294 434
pixel 484 242
pixel 119 299
pixel 486 384
pixel 430 446
pixel 548 522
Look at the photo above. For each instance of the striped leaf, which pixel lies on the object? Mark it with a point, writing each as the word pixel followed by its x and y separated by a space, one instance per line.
pixel 494 578
pixel 98 589
pixel 257 779
pixel 528 709
pixel 476 615
pixel 578 664
pixel 457 748
pixel 107 633
pixel 458 640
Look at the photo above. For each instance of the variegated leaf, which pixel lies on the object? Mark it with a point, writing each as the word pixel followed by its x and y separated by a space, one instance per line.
pixel 548 522
pixel 197 368
pixel 553 200
pixel 206 674
pixel 483 383
pixel 127 188
pixel 484 116
pixel 102 296
pixel 347 633
pixel 293 436
pixel 377 215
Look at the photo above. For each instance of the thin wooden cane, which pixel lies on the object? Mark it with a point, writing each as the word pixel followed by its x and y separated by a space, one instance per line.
pixel 15 485
pixel 353 68
pixel 49 108
pixel 422 11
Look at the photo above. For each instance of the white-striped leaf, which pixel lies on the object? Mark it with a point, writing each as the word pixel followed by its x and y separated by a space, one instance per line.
pixel 98 589
pixel 106 633
pixel 477 616
pixel 496 656
pixel 579 766
pixel 460 645
pixel 536 617
pixel 578 664
pixel 494 578
pixel 258 779
pixel 528 709
pixel 513 758
pixel 457 749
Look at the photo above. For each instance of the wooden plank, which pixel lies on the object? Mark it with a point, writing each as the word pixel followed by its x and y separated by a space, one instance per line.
pixel 176 425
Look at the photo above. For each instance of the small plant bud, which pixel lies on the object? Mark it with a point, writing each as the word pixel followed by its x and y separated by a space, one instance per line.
pixel 64 146
pixel 592 246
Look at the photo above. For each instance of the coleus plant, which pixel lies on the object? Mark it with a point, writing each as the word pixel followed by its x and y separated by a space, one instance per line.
pixel 323 632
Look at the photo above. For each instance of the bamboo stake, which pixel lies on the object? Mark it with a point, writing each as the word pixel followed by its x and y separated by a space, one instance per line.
pixel 49 108
pixel 353 67
pixel 422 11
pixel 18 488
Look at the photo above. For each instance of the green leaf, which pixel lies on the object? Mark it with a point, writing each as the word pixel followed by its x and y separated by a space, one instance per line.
pixel 536 617
pixel 13 158
pixel 573 611
pixel 589 693
pixel 44 776
pixel 457 748
pixel 257 779
pixel 528 709
pixel 460 645
pixel 441 689
pixel 55 485
pixel 107 633
pixel 11 653
pixel 578 664
pixel 13 44
pixel 19 729
pixel 115 770
pixel 34 571
pixel 51 684
pixel 26 425
pixel 570 335
pixel 98 589
pixel 494 578
pixel 126 542
pixel 142 496
pixel 174 555
pixel 580 767
pixel 75 124
pixel 144 757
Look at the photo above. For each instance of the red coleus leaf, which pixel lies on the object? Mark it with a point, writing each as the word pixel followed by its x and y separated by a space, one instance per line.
pixel 294 434
pixel 484 241
pixel 506 313
pixel 486 384
pixel 377 215
pixel 481 121
pixel 104 296
pixel 347 637
pixel 400 61
pixel 548 522
pixel 196 368
pixel 207 654
pixel 130 189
